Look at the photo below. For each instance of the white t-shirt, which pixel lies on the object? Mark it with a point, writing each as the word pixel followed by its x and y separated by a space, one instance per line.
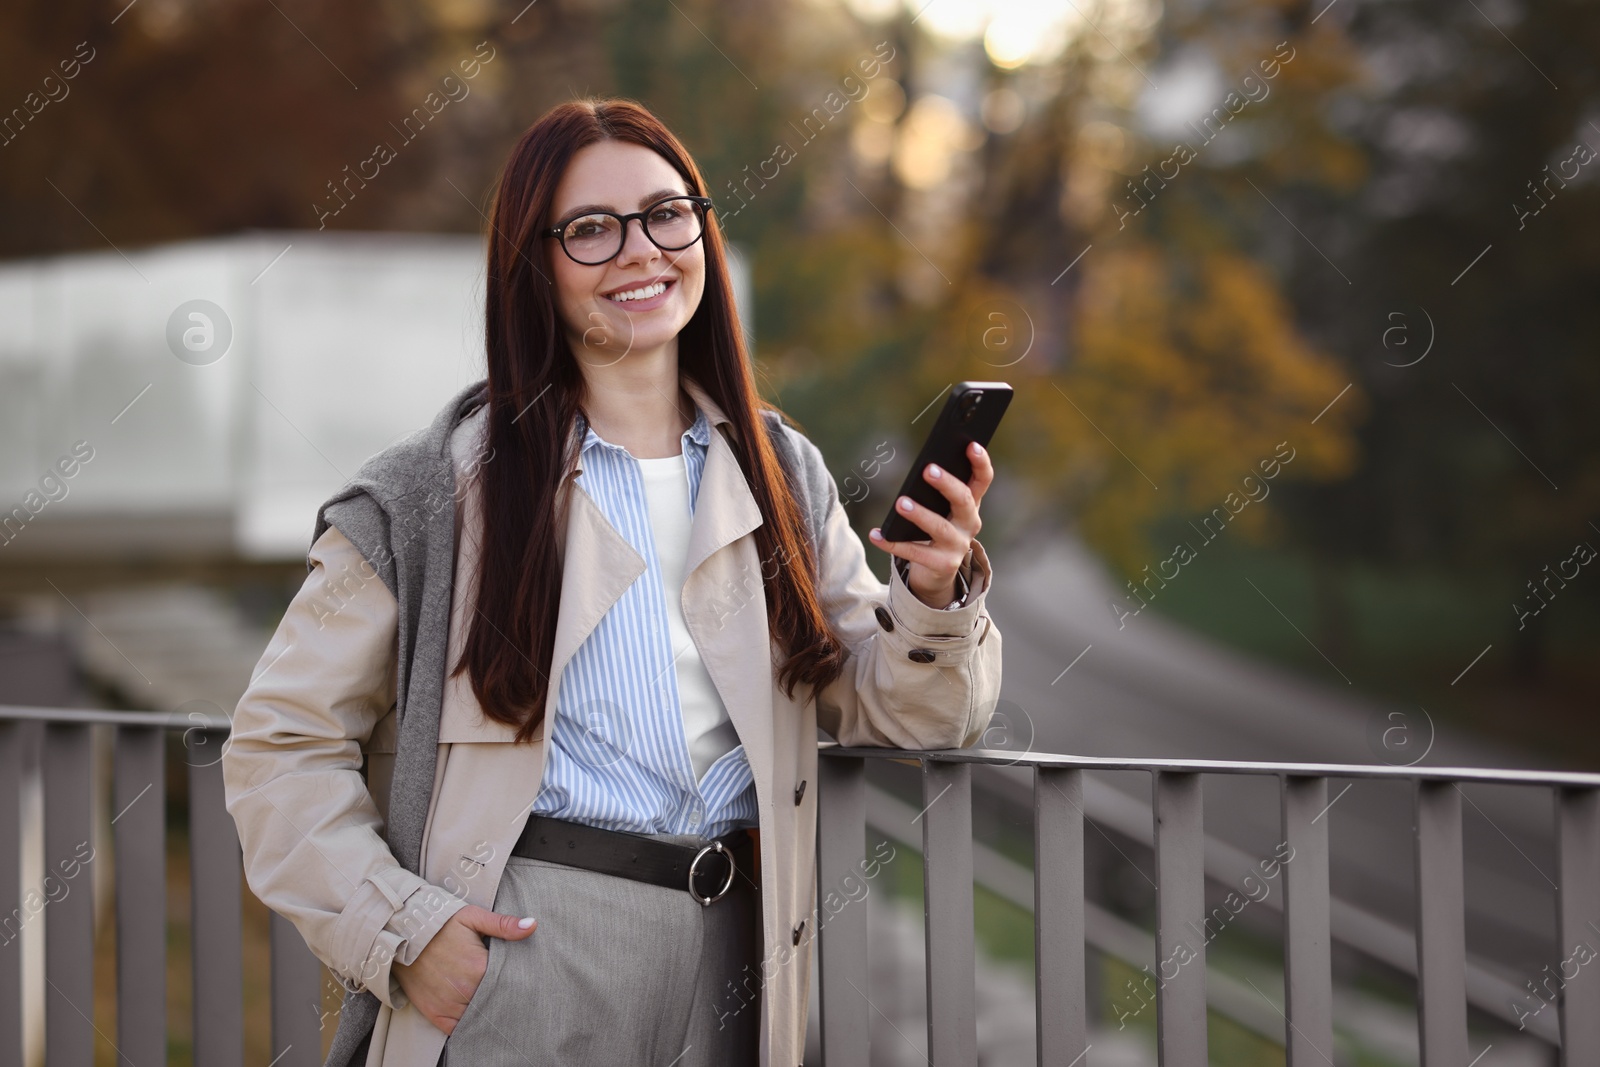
pixel 706 725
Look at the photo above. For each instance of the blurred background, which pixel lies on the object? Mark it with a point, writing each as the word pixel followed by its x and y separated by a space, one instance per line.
pixel 1302 462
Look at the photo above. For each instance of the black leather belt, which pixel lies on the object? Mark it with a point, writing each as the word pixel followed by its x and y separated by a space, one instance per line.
pixel 706 873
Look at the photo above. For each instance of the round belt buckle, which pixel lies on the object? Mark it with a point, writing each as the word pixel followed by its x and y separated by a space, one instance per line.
pixel 715 846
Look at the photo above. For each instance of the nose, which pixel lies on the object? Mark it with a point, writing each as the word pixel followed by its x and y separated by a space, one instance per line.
pixel 638 248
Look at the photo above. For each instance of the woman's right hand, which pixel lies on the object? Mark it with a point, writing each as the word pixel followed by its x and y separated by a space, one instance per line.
pixel 446 973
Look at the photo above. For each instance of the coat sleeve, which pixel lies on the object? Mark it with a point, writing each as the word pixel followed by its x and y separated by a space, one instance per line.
pixel 311 833
pixel 915 677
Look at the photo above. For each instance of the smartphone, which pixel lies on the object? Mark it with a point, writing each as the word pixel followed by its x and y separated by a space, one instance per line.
pixel 971 413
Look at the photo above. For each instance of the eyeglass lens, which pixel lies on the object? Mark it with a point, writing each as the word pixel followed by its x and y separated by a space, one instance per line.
pixel 672 224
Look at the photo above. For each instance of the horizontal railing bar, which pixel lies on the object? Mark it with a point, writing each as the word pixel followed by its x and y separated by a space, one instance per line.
pixel 1003 758
pixel 994 757
pixel 173 720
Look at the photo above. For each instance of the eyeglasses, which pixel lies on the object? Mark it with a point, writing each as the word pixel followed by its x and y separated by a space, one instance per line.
pixel 672 224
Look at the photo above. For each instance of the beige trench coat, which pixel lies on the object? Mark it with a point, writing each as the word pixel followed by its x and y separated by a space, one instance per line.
pixel 323 699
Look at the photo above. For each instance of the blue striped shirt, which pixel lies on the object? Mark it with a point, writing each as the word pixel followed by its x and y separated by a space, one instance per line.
pixel 619 757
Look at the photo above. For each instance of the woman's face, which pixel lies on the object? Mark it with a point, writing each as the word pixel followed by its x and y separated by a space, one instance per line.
pixel 622 177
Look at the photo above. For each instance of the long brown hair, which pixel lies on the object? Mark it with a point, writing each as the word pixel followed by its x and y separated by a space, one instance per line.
pixel 535 388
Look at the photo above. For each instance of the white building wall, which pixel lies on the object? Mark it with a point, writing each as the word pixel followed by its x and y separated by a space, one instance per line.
pixel 341 343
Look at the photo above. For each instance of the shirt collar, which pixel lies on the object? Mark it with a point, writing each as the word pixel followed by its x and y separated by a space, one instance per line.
pixel 699 432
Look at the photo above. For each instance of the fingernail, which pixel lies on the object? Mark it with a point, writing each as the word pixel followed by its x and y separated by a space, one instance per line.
pixel 905 503
pixel 979 447
pixel 876 535
pixel 525 923
pixel 934 471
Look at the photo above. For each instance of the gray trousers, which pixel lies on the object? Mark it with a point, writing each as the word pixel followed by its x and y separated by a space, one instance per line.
pixel 618 972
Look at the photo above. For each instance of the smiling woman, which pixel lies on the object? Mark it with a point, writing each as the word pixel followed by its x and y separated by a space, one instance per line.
pixel 588 687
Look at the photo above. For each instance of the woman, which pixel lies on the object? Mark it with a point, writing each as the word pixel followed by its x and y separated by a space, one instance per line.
pixel 555 676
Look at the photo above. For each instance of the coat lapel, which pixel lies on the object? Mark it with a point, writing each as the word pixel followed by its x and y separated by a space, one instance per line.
pixel 724 602
pixel 599 566
pixel 725 509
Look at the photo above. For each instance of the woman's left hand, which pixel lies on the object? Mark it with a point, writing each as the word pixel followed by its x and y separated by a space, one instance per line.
pixel 933 564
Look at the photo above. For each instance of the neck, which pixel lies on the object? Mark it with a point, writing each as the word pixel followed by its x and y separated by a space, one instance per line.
pixel 638 403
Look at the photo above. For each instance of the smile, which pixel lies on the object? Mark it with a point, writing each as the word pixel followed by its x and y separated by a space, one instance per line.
pixel 644 294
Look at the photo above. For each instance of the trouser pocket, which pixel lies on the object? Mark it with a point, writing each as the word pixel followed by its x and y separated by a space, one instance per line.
pixel 617 971
pixel 486 985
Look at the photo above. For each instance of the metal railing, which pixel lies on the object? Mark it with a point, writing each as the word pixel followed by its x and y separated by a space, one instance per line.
pixel 1064 920
pixel 1059 905
pixel 138 830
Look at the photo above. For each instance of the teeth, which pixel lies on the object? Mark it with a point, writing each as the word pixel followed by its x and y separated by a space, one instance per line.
pixel 640 294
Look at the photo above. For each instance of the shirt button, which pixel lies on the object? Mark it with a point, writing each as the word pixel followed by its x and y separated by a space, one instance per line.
pixel 885 620
pixel 920 655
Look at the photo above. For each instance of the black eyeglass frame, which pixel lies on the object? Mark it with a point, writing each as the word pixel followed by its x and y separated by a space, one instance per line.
pixel 559 231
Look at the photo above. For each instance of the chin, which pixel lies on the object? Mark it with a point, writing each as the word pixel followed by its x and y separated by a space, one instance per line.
pixel 643 336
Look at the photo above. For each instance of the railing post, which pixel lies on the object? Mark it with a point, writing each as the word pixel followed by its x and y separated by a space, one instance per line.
pixel 216 866
pixel 11 741
pixel 1060 980
pixel 1307 923
pixel 139 832
pixel 947 889
pixel 1180 915
pixel 842 939
pixel 296 998
pixel 69 919
pixel 1578 901
pixel 1441 926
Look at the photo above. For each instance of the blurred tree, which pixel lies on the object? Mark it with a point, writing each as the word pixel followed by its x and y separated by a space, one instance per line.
pixel 187 119
pixel 1153 373
pixel 1472 282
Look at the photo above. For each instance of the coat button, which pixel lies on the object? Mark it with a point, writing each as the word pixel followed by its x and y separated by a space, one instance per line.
pixel 799 791
pixel 797 931
pixel 885 620
pixel 920 655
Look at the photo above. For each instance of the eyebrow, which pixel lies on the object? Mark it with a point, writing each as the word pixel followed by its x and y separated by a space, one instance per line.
pixel 647 198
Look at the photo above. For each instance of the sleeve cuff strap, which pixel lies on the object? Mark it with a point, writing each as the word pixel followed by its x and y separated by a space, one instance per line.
pixel 366 914
pixel 919 622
